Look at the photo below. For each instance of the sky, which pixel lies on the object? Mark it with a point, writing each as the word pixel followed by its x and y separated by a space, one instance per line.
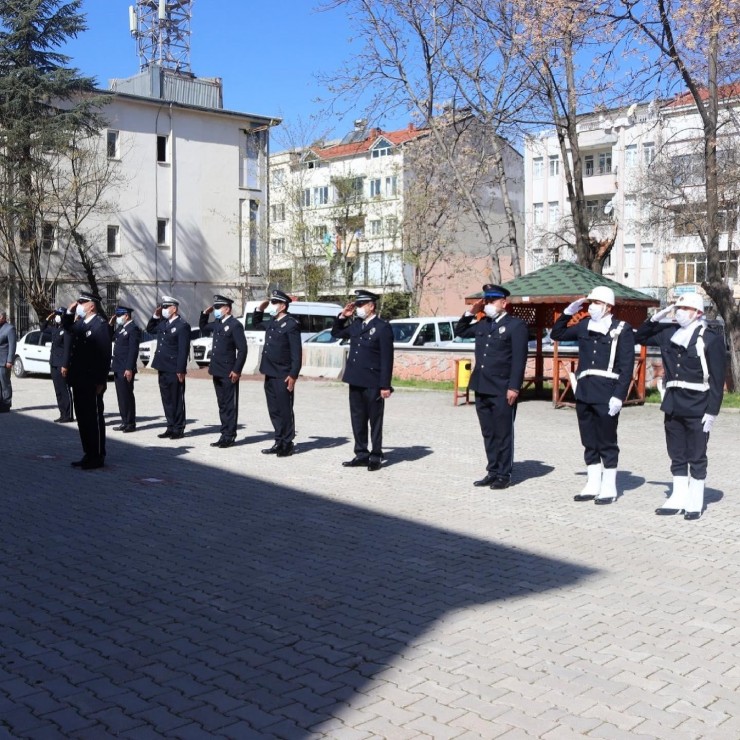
pixel 268 53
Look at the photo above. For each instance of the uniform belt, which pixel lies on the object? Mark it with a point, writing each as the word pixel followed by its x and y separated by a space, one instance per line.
pixel 600 373
pixel 687 386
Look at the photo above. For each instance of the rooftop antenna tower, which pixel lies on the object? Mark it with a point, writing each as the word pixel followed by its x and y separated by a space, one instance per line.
pixel 161 29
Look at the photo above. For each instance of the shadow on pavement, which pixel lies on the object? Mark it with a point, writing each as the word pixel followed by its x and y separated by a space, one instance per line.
pixel 213 598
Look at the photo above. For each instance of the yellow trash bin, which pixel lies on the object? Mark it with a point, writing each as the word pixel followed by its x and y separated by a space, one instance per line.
pixel 463 371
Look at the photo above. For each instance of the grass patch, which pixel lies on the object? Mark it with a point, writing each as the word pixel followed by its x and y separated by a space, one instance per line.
pixel 430 385
pixel 730 400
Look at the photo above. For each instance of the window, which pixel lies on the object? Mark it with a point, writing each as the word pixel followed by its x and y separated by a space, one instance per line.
pixel 321 195
pixel 252 150
pixel 253 239
pixel 589 165
pixel 553 212
pixel 382 150
pixel 630 155
pixel 277 212
pixel 647 259
pixel 687 170
pixel 306 198
pixel 554 165
pixel 113 244
pixel 278 246
pixel 445 331
pixel 48 237
pixel 629 264
pixel 691 268
pixel 605 163
pixel 648 153
pixel 111 297
pixel 630 208
pixel 163 229
pixel 538 168
pixel 391 186
pixel 278 177
pixel 162 148
pixel 320 232
pixel 357 188
pixel 391 226
pixel 592 209
pixel 375 188
pixel 375 227
pixel 538 213
pixel 112 144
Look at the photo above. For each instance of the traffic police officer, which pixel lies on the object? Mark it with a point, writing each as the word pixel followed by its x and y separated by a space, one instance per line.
pixel 606 358
pixel 171 361
pixel 500 360
pixel 694 364
pixel 59 359
pixel 126 339
pixel 228 355
pixel 280 364
pixel 368 373
pixel 88 374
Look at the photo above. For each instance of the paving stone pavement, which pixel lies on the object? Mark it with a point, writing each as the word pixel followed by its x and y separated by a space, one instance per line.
pixel 190 592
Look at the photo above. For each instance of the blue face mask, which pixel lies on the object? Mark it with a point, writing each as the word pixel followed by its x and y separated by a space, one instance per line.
pixel 218 313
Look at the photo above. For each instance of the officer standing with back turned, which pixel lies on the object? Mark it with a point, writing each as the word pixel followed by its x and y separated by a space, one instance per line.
pixel 228 355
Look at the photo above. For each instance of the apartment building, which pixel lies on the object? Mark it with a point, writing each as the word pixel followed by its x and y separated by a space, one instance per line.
pixel 339 216
pixel 643 180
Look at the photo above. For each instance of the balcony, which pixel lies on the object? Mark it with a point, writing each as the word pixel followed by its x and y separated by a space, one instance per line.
pixel 599 181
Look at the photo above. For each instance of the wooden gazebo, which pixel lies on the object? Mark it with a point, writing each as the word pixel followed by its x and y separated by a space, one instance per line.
pixel 539 298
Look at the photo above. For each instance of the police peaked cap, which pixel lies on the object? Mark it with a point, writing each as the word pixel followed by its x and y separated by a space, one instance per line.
pixel 278 295
pixel 168 300
pixel 365 296
pixel 60 311
pixel 495 291
pixel 222 300
pixel 122 310
pixel 84 296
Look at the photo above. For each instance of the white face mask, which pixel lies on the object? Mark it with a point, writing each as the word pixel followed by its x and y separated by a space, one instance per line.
pixel 57 319
pixel 80 310
pixel 272 309
pixel 166 312
pixel 361 312
pixel 491 310
pixel 119 320
pixel 684 317
pixel 596 312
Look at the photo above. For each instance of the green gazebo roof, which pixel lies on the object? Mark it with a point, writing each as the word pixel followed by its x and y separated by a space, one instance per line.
pixel 562 282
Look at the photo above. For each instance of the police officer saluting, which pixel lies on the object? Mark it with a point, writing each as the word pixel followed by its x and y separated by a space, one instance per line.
pixel 88 375
pixel 501 343
pixel 606 358
pixel 126 339
pixel 281 361
pixel 171 360
pixel 694 363
pixel 228 355
pixel 59 359
pixel 368 372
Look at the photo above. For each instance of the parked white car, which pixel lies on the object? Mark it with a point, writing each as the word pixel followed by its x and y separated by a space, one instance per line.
pixel 148 345
pixel 32 352
pixel 424 331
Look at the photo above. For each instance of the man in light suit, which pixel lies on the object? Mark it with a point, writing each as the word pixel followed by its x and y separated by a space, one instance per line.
pixel 500 360
pixel 7 356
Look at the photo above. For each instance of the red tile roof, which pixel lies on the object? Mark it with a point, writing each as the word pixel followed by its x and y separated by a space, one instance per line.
pixel 724 92
pixel 358 147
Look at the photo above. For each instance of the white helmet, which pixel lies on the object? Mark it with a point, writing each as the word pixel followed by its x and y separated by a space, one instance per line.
pixel 601 293
pixel 691 300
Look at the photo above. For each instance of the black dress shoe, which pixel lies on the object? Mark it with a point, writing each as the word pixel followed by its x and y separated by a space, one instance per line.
pixel 217 443
pixel 500 483
pixel 373 465
pixel 285 450
pixel 92 463
pixel 57 420
pixel 226 443
pixel 667 512
pixel 584 497
pixel 79 463
pixel 485 481
pixel 119 428
pixel 271 450
pixel 604 501
pixel 66 421
pixel 177 435
pixel 356 462
pixel 165 434
pixel 691 516
pixel 129 428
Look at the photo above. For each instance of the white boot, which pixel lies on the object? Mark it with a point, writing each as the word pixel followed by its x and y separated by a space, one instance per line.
pixel 679 495
pixel 694 500
pixel 608 491
pixel 593 484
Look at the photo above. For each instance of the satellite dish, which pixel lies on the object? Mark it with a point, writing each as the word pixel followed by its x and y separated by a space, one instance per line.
pixel 631 110
pixel 609 207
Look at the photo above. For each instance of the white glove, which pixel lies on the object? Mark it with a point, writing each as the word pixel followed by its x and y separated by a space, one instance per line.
pixel 615 406
pixel 658 315
pixel 707 420
pixel 574 308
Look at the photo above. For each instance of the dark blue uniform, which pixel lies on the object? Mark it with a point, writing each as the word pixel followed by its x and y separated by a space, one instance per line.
pixel 369 370
pixel 604 371
pixel 88 370
pixel 685 406
pixel 500 362
pixel 59 357
pixel 126 341
pixel 282 357
pixel 228 355
pixel 171 358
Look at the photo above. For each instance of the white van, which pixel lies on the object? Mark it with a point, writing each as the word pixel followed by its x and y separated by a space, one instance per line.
pixel 313 317
pixel 424 331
